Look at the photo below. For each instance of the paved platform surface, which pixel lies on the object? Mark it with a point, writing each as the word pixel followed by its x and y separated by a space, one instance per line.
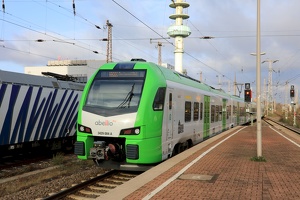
pixel 221 168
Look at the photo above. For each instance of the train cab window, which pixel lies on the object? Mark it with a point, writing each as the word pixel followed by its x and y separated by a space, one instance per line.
pixel 158 103
pixel 196 111
pixel 201 111
pixel 188 111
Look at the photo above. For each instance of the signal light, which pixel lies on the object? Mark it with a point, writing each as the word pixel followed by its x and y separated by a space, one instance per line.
pixel 292 93
pixel 248 95
pixel 84 129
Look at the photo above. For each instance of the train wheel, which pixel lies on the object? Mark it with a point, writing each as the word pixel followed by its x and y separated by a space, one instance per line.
pixel 190 143
pixel 176 150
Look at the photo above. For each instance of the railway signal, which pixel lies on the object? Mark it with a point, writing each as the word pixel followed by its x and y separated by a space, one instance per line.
pixel 247 93
pixel 292 91
pixel 247 86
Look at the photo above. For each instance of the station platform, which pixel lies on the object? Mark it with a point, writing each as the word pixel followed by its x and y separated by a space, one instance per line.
pixel 221 168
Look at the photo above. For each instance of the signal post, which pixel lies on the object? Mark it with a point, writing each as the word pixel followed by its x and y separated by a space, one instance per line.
pixel 293 103
pixel 248 99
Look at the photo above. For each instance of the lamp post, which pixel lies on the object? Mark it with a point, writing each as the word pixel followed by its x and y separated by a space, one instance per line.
pixel 258 93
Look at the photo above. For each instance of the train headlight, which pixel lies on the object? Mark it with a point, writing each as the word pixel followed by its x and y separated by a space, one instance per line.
pixel 131 131
pixel 84 129
pixel 137 131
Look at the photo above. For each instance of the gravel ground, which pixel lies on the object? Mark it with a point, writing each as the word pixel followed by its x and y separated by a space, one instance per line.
pixel 40 184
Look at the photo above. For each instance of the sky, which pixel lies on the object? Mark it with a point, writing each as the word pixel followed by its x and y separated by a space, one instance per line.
pixel 227 56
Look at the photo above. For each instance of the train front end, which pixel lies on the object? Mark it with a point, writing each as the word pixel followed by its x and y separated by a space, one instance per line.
pixel 117 125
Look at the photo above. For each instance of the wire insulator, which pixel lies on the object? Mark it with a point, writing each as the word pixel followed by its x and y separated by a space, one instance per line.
pixel 3 6
pixel 74 8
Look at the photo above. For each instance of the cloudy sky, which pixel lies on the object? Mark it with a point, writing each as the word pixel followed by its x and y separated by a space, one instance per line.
pixel 232 23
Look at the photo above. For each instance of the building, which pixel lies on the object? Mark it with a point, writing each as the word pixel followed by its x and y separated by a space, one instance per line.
pixel 79 70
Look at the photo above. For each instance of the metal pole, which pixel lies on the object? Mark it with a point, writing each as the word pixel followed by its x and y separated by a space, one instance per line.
pixel 294 124
pixel 286 106
pixel 258 105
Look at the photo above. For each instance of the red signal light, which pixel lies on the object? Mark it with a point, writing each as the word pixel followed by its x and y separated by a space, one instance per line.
pixel 248 95
pixel 292 93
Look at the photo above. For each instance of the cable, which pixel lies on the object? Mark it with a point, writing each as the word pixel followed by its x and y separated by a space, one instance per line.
pixel 75 13
pixel 57 39
pixel 143 22
pixel 26 52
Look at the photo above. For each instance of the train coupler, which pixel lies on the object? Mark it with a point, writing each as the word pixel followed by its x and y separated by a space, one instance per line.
pixel 98 151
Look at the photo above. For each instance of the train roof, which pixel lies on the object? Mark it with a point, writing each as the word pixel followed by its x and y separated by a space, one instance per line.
pixel 40 81
pixel 169 74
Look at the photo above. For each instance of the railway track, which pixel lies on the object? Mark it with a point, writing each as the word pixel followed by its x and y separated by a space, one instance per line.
pixel 94 187
pixel 281 125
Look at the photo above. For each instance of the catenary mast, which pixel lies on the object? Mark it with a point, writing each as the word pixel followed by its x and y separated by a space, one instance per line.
pixel 178 30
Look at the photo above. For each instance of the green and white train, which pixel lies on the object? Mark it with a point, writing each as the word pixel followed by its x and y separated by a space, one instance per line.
pixel 133 115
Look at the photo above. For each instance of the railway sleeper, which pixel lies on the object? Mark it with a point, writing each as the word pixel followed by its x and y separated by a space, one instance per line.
pixel 90 192
pixel 100 188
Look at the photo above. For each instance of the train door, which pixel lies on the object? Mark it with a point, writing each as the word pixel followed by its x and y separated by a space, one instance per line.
pixel 224 115
pixel 170 114
pixel 206 124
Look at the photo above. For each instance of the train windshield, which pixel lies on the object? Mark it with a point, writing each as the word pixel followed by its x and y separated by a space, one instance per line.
pixel 115 92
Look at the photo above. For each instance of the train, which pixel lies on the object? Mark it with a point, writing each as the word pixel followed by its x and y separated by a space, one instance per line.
pixel 136 114
pixel 37 113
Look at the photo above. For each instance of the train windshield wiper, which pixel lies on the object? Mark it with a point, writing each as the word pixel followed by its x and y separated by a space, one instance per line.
pixel 127 98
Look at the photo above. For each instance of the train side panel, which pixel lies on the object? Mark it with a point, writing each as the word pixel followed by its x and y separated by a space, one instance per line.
pixel 31 113
pixel 37 113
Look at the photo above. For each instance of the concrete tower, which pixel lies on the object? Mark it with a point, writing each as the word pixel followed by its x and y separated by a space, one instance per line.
pixel 179 31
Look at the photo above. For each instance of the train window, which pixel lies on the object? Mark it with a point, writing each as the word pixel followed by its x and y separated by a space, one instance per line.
pixel 201 111
pixel 108 94
pixel 159 99
pixel 242 111
pixel 188 111
pixel 170 101
pixel 212 116
pixel 228 111
pixel 217 113
pixel 196 111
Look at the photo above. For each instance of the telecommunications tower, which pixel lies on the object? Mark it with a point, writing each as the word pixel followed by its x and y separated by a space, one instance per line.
pixel 178 30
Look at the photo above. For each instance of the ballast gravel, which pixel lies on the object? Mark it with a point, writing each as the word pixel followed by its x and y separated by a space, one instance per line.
pixel 45 187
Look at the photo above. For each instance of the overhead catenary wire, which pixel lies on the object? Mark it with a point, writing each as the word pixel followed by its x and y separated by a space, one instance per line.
pixel 162 37
pixel 26 52
pixel 46 33
pixel 142 22
pixel 77 40
pixel 54 37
